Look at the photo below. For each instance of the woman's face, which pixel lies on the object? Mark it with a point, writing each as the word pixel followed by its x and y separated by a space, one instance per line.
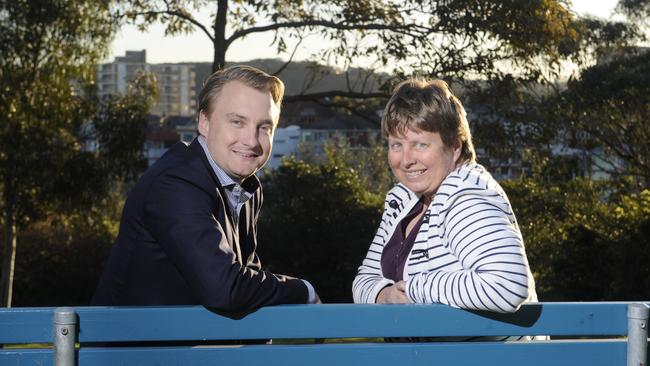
pixel 420 160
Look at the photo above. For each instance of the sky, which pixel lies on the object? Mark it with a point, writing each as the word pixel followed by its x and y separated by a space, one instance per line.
pixel 196 47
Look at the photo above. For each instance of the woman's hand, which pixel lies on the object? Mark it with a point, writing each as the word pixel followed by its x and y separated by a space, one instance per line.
pixel 393 294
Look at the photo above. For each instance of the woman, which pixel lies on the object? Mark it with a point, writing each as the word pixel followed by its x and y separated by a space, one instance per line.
pixel 448 233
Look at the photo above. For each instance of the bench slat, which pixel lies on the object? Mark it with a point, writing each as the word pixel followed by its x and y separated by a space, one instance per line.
pixel 557 353
pixel 350 321
pixel 458 354
pixel 26 325
pixel 33 325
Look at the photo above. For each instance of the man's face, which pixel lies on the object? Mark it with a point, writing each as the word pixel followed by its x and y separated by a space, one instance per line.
pixel 239 130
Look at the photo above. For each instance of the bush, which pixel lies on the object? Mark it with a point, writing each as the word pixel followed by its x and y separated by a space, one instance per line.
pixel 584 240
pixel 317 223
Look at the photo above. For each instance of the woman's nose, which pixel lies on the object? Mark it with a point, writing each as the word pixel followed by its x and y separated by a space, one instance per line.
pixel 408 158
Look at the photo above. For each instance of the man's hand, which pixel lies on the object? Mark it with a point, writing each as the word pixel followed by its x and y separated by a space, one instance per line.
pixel 393 294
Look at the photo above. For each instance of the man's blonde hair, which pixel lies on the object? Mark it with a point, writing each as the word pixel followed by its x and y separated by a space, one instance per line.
pixel 250 76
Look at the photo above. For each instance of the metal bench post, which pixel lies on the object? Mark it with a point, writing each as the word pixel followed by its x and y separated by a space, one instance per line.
pixel 65 331
pixel 637 334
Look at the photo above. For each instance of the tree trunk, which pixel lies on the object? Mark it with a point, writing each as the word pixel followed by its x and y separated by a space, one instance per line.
pixel 9 257
pixel 219 27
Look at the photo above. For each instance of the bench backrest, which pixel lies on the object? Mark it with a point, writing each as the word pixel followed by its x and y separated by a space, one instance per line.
pixel 591 334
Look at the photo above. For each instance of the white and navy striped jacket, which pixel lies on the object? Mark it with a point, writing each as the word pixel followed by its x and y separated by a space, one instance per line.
pixel 468 252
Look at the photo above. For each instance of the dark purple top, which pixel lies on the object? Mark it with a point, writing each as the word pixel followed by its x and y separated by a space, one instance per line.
pixel 396 251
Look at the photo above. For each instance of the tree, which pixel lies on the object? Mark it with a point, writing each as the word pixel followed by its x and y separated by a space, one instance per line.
pixel 451 39
pixel 120 127
pixel 48 55
pixel 70 235
pixel 524 121
pixel 366 157
pixel 610 102
pixel 636 10
pixel 62 255
pixel 47 50
pixel 585 240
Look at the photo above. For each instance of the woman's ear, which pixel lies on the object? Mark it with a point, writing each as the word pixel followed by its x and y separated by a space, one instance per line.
pixel 457 150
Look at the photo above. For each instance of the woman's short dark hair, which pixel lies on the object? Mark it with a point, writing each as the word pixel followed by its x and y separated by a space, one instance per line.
pixel 429 105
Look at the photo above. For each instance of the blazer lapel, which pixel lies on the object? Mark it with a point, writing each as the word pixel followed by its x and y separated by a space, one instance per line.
pixel 227 223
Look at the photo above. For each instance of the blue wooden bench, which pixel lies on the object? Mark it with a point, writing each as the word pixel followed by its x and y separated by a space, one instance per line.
pixel 606 334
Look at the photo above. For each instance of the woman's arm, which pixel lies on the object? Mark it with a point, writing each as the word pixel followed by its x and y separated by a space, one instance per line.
pixel 369 280
pixel 482 234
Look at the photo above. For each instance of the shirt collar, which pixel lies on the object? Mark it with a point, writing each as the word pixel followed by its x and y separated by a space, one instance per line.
pixel 224 179
pixel 249 184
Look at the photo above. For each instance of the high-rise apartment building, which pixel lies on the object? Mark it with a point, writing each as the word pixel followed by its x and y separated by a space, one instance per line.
pixel 113 77
pixel 176 82
pixel 176 89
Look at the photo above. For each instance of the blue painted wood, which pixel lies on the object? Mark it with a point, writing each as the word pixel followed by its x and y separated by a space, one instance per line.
pixel 33 325
pixel 556 353
pixel 457 354
pixel 26 325
pixel 349 321
pixel 20 357
pixel 593 353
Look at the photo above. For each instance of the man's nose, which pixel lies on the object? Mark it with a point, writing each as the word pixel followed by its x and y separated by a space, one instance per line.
pixel 250 137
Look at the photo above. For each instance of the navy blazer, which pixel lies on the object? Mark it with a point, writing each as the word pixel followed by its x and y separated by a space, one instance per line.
pixel 177 244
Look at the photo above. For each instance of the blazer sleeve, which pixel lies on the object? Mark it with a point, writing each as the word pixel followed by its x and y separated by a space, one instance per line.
pixel 180 215
pixel 369 280
pixel 481 232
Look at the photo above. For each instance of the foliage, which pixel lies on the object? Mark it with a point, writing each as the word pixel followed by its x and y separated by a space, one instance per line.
pixel 49 51
pixel 456 39
pixel 513 116
pixel 316 223
pixel 584 240
pixel 611 102
pixel 636 10
pixel 367 159
pixel 121 128
pixel 62 256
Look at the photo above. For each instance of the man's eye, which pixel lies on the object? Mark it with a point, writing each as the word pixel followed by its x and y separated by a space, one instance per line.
pixel 236 122
pixel 421 145
pixel 266 129
pixel 395 146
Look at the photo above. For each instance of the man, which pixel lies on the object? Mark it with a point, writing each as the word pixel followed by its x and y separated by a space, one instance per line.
pixel 188 229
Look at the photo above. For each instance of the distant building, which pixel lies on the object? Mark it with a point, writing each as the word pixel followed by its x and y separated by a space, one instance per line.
pixel 166 132
pixel 176 82
pixel 309 144
pixel 285 143
pixel 187 131
pixel 113 77
pixel 176 85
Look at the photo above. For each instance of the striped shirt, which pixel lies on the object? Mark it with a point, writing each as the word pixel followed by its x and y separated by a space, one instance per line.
pixel 468 253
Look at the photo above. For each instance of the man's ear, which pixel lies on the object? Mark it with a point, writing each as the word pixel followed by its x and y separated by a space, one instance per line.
pixel 204 124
